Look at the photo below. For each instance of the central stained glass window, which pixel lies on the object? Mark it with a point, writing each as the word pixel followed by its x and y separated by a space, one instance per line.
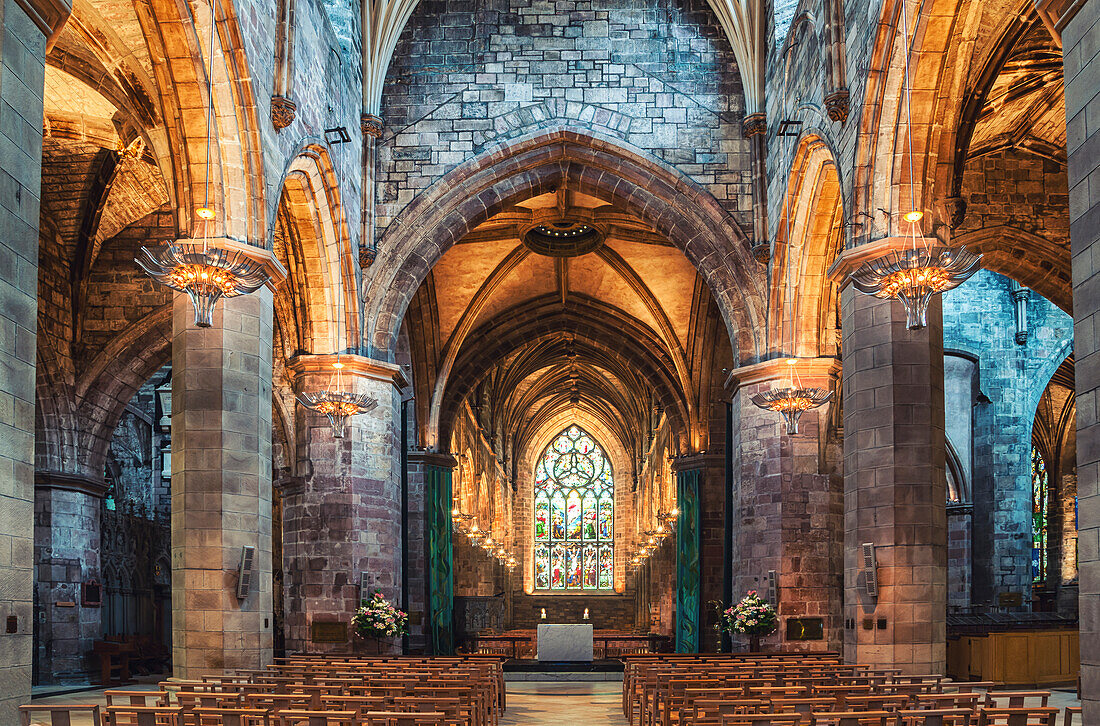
pixel 574 515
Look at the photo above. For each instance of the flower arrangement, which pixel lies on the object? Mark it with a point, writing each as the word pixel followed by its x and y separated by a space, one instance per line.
pixel 752 616
pixel 377 618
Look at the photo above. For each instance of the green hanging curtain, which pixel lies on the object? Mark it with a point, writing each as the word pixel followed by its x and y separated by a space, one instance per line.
pixel 687 562
pixel 440 560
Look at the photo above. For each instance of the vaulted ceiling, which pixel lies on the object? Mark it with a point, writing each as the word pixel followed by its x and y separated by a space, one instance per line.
pixel 617 332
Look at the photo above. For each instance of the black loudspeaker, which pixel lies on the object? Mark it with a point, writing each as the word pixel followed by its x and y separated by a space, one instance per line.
pixel 364 586
pixel 773 588
pixel 244 572
pixel 870 569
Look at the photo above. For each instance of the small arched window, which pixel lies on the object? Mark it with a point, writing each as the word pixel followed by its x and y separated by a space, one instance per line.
pixel 574 515
pixel 1040 511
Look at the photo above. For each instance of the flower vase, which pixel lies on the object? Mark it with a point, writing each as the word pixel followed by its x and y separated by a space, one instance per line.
pixel 754 643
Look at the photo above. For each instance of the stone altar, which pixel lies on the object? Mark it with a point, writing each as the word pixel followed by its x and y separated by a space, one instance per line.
pixel 565 642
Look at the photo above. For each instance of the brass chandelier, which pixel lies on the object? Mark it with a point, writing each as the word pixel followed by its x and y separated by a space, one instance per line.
pixel 793 401
pixel 914 275
pixel 205 273
pixel 337 405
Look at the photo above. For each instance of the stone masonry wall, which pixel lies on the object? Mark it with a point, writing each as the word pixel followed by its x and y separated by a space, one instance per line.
pixel 657 75
pixel 979 320
pixel 22 74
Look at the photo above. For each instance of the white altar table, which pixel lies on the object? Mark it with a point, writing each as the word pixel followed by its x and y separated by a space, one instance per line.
pixel 565 642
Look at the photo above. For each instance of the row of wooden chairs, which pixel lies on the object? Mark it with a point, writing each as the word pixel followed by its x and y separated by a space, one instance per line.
pixel 698 690
pixel 312 692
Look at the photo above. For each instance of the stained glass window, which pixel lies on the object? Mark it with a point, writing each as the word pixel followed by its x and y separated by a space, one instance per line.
pixel 574 515
pixel 1040 499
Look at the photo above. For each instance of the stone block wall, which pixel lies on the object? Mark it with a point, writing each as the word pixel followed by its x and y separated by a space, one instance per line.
pixel 656 75
pixel 22 74
pixel 1081 58
pixel 979 321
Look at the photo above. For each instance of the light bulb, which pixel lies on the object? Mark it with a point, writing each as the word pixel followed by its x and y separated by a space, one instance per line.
pixel 914 216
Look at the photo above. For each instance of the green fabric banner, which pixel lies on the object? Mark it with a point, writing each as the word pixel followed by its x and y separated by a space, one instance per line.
pixel 440 560
pixel 687 562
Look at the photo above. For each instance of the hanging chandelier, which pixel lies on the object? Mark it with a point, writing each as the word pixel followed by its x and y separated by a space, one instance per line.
pixel 337 405
pixel 914 275
pixel 206 273
pixel 791 402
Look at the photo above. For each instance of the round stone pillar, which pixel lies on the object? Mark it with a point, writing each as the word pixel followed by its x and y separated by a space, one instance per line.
pixel 344 521
pixel 789 505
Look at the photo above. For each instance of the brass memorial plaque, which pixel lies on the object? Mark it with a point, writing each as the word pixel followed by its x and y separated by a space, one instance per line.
pixel 805 629
pixel 328 632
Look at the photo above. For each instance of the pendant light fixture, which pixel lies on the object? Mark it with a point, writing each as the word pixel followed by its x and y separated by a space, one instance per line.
pixel 337 405
pixel 793 400
pixel 915 274
pixel 206 273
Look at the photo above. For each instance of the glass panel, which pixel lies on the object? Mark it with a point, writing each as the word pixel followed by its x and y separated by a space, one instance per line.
pixel 557 567
pixel 557 517
pixel 589 516
pixel 542 567
pixel 574 504
pixel 607 509
pixel 590 566
pixel 1040 500
pixel 542 517
pixel 574 508
pixel 607 566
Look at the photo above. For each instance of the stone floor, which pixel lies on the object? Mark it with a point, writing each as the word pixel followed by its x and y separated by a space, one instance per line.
pixel 593 703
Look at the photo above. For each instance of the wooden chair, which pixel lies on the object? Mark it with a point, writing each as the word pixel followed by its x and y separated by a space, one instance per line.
pixel 1037 716
pixel 850 718
pixel 1070 712
pixel 294 717
pixel 402 718
pixel 1016 699
pixel 232 717
pixel 762 719
pixel 142 716
pixel 59 715
pixel 935 717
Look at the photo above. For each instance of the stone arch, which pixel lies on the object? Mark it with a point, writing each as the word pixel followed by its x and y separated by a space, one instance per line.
pixel 111 380
pixel 319 253
pixel 1024 257
pixel 816 237
pixel 940 35
pixel 1043 376
pixel 677 207
pixel 236 176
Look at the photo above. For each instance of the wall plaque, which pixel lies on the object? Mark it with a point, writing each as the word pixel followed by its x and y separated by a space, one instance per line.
pixel 1010 599
pixel 805 629
pixel 328 632
pixel 90 594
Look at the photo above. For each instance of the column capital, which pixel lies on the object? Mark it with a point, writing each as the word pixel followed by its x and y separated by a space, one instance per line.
pixel 754 124
pixel 355 366
pixel 818 372
pixel 70 482
pixel 275 270
pixel 438 459
pixel 370 125
pixel 850 259
pixel 700 460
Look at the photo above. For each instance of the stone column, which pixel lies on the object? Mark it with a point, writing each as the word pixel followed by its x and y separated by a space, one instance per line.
pixel 755 129
pixel 67 530
pixel 1081 57
pixel 437 546
pixel 345 520
pixel 790 511
pixel 894 485
pixel 371 126
pixel 23 45
pixel 221 484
